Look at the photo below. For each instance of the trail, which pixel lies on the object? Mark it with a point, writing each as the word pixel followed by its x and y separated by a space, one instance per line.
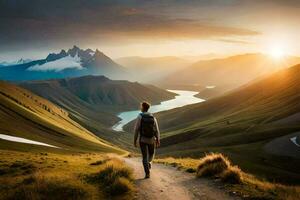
pixel 169 183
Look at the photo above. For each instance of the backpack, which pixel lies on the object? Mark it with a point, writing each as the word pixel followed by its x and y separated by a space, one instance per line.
pixel 147 126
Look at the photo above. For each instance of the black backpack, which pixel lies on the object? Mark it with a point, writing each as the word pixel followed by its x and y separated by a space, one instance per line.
pixel 147 126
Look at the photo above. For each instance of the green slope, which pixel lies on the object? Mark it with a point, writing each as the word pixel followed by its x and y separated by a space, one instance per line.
pixel 94 101
pixel 240 124
pixel 24 114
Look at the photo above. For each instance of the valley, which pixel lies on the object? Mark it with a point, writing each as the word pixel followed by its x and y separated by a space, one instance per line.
pixel 256 119
pixel 220 80
pixel 183 98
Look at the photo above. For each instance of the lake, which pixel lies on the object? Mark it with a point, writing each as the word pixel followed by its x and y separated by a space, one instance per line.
pixel 183 98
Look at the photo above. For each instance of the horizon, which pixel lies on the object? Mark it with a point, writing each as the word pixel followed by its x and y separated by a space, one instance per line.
pixel 191 58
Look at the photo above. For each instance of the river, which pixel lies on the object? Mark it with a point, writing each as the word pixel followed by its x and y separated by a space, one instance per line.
pixel 183 98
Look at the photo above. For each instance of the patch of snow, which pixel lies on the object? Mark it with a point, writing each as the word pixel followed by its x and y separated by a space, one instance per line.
pixel 67 62
pixel 23 140
pixel 294 140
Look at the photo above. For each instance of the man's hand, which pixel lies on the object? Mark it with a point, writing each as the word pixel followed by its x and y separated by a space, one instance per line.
pixel 157 143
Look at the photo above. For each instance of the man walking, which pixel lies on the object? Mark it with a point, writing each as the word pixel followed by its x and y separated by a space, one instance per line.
pixel 146 129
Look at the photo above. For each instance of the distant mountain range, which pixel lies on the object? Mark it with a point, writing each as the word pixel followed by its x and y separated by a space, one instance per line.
pixel 226 73
pixel 150 69
pixel 20 61
pixel 71 63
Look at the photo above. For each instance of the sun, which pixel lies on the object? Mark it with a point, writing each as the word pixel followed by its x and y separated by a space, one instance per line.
pixel 277 52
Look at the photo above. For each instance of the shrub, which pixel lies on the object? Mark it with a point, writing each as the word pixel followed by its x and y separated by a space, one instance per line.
pixel 212 165
pixel 232 175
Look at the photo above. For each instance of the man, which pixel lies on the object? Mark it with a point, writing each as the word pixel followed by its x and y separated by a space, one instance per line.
pixel 146 129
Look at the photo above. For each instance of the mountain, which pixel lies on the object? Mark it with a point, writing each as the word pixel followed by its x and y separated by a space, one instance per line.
pixel 20 61
pixel 227 73
pixel 26 115
pixel 149 69
pixel 94 101
pixel 99 91
pixel 257 125
pixel 72 63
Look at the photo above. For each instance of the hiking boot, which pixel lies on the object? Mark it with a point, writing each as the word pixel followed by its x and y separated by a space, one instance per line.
pixel 147 176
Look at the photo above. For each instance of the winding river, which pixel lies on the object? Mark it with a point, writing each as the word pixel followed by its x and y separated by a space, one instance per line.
pixel 183 98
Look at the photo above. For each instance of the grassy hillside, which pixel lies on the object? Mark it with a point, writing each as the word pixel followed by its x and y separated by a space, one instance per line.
pixel 29 116
pixel 227 73
pixel 94 101
pixel 241 124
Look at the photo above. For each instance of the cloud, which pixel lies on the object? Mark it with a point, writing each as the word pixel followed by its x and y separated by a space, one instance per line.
pixel 67 62
pixel 27 23
pixel 234 41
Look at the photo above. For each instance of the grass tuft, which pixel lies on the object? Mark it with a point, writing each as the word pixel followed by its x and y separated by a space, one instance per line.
pixel 114 176
pixel 232 175
pixel 212 165
pixel 120 186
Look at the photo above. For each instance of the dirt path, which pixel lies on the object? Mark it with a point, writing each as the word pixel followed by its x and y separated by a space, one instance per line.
pixel 169 183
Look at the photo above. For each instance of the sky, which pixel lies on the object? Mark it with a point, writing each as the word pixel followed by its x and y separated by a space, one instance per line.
pixel 150 28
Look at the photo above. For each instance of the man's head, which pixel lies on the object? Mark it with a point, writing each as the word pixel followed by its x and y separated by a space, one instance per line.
pixel 145 106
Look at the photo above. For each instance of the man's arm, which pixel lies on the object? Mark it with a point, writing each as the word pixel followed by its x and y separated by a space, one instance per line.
pixel 137 129
pixel 157 133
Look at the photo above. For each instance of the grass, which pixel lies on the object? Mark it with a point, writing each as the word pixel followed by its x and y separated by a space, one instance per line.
pixel 212 164
pixel 29 175
pixel 40 120
pixel 217 166
pixel 114 176
pixel 39 186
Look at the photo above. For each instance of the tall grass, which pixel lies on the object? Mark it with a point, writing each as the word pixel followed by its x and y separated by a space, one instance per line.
pixel 217 165
pixel 114 176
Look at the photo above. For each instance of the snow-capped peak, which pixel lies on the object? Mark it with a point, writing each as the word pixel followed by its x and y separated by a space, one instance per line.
pixel 67 62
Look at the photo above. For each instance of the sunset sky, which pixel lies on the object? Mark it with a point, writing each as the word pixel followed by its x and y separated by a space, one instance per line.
pixel 33 28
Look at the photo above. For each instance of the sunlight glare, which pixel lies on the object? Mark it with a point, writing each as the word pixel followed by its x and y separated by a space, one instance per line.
pixel 277 52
